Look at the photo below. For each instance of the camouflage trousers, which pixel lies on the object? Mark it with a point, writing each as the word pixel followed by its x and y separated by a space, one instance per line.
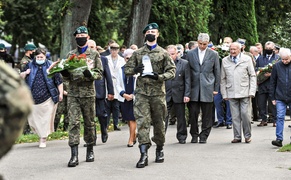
pixel 147 110
pixel 77 108
pixel 62 109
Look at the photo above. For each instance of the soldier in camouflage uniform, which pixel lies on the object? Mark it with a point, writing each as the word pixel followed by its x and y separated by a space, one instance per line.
pixel 15 106
pixel 28 56
pixel 81 97
pixel 150 104
pixel 62 110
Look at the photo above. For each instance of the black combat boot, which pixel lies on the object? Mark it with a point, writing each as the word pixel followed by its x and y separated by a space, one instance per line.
pixel 143 161
pixel 90 153
pixel 159 154
pixel 74 158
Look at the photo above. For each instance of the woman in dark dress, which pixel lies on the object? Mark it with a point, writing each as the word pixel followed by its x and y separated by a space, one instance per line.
pixel 125 87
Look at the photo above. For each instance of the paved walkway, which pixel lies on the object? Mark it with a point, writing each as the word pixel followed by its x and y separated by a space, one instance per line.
pixel 218 159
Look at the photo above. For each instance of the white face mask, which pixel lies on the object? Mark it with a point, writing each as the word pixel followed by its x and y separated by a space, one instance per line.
pixel 40 61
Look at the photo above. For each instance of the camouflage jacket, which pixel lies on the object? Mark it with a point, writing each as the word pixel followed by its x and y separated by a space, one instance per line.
pixel 161 64
pixel 84 87
pixel 24 61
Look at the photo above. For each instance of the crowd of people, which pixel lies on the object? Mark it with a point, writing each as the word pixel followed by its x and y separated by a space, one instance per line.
pixel 220 85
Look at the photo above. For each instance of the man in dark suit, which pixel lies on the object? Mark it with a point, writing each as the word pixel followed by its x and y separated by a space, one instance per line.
pixel 100 88
pixel 178 93
pixel 264 87
pixel 205 74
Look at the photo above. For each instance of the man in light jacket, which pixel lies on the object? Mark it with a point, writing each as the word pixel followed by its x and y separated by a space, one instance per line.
pixel 238 85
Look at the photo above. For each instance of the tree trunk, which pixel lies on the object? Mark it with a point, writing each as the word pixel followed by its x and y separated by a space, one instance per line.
pixel 76 15
pixel 140 14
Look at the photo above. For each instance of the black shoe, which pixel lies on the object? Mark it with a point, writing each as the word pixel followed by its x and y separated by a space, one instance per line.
pixel 182 141
pixel 202 141
pixel 228 126
pixel 289 126
pixel 143 161
pixel 129 145
pixel 194 140
pixel 90 153
pixel 277 143
pixel 116 128
pixel 104 138
pixel 74 157
pixel 219 125
pixel 263 123
pixel 159 154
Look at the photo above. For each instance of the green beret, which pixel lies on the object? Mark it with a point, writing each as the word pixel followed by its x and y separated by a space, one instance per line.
pixel 81 30
pixel 150 26
pixel 29 47
pixel 2 46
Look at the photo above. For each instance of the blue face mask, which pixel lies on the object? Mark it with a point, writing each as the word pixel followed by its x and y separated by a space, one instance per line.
pixel 39 62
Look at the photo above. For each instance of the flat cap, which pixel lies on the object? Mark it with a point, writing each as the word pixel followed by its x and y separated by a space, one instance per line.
pixel 29 47
pixel 241 41
pixel 2 46
pixel 81 30
pixel 114 45
pixel 150 26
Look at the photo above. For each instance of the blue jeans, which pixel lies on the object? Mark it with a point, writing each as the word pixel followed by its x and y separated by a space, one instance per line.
pixel 281 107
pixel 219 109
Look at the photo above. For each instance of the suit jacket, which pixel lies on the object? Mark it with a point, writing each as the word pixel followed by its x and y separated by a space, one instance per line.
pixel 238 80
pixel 105 53
pixel 105 83
pixel 180 86
pixel 114 71
pixel 205 78
pixel 262 61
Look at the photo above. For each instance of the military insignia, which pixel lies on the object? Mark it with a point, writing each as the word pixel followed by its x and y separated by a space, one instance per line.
pixel 150 27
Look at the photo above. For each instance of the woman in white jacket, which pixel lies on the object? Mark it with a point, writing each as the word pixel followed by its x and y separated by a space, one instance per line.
pixel 125 86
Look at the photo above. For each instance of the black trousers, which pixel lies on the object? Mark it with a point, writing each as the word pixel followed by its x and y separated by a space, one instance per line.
pixel 207 122
pixel 262 103
pixel 179 110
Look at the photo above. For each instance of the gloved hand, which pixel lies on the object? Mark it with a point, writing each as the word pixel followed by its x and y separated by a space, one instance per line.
pixel 154 77
pixel 65 73
pixel 139 69
pixel 87 73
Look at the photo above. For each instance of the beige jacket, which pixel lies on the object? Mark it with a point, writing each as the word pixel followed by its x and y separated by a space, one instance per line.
pixel 238 80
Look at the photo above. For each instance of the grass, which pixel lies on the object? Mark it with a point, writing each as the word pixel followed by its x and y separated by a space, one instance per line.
pixel 59 134
pixel 285 148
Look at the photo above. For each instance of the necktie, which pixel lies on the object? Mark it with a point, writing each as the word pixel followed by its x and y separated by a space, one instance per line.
pixel 234 59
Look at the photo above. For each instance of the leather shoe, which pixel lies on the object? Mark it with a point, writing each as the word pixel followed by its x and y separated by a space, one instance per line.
pixel 236 141
pixel 116 128
pixel 248 140
pixel 277 143
pixel 129 145
pixel 202 141
pixel 274 124
pixel 182 141
pixel 219 125
pixel 263 123
pixel 228 126
pixel 194 140
pixel 104 138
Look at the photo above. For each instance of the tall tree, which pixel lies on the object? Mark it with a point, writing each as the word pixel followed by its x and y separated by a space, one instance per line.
pixel 76 14
pixel 236 19
pixel 140 13
pixel 179 20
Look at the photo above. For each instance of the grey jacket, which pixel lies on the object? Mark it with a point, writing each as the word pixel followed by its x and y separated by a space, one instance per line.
pixel 205 78
pixel 238 80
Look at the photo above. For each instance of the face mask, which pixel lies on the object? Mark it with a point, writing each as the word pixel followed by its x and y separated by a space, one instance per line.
pixel 81 41
pixel 32 55
pixel 2 54
pixel 269 51
pixel 39 62
pixel 150 37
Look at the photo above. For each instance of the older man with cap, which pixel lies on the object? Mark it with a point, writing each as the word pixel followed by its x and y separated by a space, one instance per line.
pixel 81 97
pixel 28 56
pixel 4 56
pixel 115 62
pixel 155 67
